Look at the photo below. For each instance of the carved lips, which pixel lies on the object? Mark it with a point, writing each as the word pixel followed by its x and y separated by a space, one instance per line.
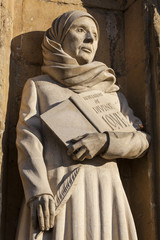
pixel 86 49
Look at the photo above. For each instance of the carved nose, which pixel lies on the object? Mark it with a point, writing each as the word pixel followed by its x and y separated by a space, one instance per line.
pixel 89 37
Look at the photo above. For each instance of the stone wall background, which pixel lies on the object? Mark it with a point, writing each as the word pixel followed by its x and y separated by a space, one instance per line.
pixel 6 11
pixel 126 46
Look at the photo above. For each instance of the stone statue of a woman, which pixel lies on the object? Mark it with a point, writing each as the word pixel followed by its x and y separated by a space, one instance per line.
pixel 73 193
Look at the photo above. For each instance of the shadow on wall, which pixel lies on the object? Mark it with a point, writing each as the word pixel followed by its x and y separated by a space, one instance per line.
pixel 25 62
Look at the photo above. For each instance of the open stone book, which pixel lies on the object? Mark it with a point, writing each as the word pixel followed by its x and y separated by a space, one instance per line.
pixel 87 112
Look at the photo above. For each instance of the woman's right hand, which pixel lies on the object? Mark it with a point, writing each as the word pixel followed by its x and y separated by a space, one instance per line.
pixel 42 212
pixel 88 146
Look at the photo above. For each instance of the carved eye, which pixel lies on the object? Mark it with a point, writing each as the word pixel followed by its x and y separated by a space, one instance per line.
pixel 95 35
pixel 80 29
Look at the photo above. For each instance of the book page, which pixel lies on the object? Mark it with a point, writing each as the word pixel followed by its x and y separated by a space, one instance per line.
pixel 99 105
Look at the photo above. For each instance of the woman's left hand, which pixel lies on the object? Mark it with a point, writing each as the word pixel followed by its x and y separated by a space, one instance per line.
pixel 87 146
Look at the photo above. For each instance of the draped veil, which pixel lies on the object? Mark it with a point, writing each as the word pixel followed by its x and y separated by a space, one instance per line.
pixel 65 69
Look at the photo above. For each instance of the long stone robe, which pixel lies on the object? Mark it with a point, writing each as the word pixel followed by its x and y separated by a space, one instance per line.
pixel 97 208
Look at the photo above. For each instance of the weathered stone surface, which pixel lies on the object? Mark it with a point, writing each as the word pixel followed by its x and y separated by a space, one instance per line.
pixel 41 16
pixel 154 110
pixel 114 4
pixel 115 35
pixel 134 37
pixel 5 36
pixel 136 54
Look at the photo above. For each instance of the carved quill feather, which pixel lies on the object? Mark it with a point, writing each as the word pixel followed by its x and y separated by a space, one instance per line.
pixel 63 194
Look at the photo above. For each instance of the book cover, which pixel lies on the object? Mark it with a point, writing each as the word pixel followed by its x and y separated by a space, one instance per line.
pixel 67 122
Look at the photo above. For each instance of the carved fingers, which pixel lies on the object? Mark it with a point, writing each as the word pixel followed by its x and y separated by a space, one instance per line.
pixel 52 212
pixel 87 146
pixel 42 212
pixel 33 214
pixel 80 154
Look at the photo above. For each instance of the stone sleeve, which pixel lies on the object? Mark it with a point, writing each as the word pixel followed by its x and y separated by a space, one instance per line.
pixel 127 144
pixel 29 144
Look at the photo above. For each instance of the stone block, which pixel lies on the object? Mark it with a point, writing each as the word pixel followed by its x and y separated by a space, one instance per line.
pixel 136 55
pixel 27 48
pixel 136 85
pixel 114 4
pixel 115 35
pixel 38 15
pixel 134 36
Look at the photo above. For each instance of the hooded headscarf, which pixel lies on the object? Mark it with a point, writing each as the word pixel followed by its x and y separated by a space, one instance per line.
pixel 65 69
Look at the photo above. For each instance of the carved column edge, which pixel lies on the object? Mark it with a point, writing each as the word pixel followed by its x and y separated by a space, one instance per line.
pixel 152 17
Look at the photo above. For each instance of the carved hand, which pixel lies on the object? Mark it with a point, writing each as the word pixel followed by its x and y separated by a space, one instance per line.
pixel 42 212
pixel 87 146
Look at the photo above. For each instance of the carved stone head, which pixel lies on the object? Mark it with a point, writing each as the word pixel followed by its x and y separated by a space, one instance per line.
pixel 81 40
pixel 74 34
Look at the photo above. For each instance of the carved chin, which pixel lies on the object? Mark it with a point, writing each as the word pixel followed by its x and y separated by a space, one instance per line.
pixel 84 58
